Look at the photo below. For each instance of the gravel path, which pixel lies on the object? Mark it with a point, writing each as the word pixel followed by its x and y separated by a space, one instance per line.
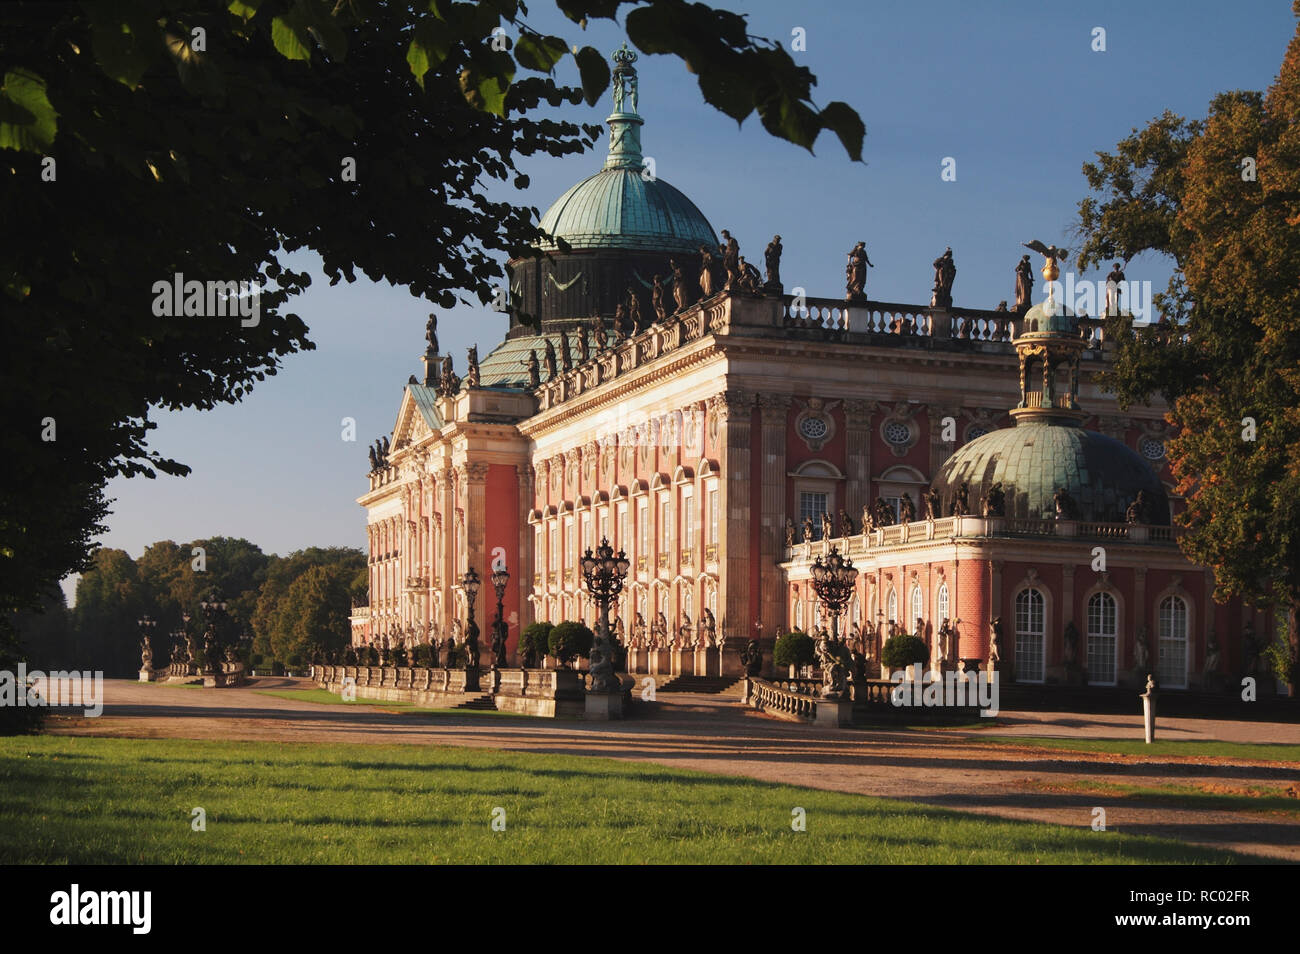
pixel 949 768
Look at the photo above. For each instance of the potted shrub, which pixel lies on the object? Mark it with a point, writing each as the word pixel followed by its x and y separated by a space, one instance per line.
pixel 570 640
pixel 534 643
pixel 794 649
pixel 904 651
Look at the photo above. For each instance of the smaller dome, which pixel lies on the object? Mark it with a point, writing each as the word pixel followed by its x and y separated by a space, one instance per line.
pixel 1039 320
pixel 1034 458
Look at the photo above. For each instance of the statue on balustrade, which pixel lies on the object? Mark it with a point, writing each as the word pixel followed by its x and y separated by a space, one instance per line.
pixel 772 259
pixel 686 635
pixel 961 500
pixel 750 279
pixel 374 460
pixel 534 371
pixel 566 358
pixel 846 523
pixel 657 300
pixel 1137 510
pixel 548 359
pixel 1114 281
pixel 751 657
pixel 828 526
pixel 730 250
pixel 884 513
pixel 706 272
pixel 680 292
pixel 1024 284
pixel 1066 508
pixel 807 529
pixel 930 501
pixel 471 372
pixel 634 311
pixel 789 532
pixel 584 347
pixel 598 334
pixel 995 501
pixel 448 380
pixel 620 324
pixel 855 274
pixel 431 334
pixel 907 509
pixel 868 519
pixel 944 274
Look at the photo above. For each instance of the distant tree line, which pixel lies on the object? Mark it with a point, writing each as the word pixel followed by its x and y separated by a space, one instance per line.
pixel 279 609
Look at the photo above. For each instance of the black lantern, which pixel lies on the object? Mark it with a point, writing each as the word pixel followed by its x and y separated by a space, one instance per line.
pixel 833 582
pixel 500 577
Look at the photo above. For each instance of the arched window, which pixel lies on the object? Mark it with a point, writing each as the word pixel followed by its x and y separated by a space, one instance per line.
pixel 798 615
pixel 942 607
pixel 891 606
pixel 1102 633
pixel 918 607
pixel 817 615
pixel 1171 664
pixel 1030 623
pixel 855 614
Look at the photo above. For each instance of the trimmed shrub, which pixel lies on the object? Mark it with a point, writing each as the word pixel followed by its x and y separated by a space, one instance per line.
pixel 537 638
pixel 794 649
pixel 423 655
pixel 904 650
pixel 569 640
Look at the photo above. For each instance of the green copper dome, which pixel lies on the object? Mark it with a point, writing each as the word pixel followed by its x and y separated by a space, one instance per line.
pixel 617 208
pixel 1034 458
pixel 1040 319
pixel 624 206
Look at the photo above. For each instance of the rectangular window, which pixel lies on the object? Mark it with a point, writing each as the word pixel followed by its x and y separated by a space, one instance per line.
pixel 624 541
pixel 812 504
pixel 538 551
pixel 571 548
pixel 688 522
pixel 666 525
pixel 586 534
pixel 643 529
pixel 555 550
pixel 604 524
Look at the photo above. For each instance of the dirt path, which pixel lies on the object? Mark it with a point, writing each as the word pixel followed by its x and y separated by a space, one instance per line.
pixel 713 733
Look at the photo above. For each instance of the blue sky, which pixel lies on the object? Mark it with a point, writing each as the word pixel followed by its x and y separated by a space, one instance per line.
pixel 1012 91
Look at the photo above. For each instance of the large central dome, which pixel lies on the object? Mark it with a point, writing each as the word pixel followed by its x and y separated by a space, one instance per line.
pixel 618 208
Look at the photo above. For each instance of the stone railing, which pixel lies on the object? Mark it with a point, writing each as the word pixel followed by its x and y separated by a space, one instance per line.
pixel 795 700
pixel 541 692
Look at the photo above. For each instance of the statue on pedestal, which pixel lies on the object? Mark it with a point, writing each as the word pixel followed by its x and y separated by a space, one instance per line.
pixel 534 371
pixel 730 250
pixel 751 657
pixel 706 272
pixel 1024 284
pixel 634 310
pixel 833 672
pixel 431 334
pixel 499 645
pixel 789 532
pixel 146 653
pixel 657 300
pixel 1113 282
pixel 995 501
pixel 1141 650
pixel 868 519
pixel 944 273
pixel 1066 508
pixel 1137 510
pixel 772 259
pixel 1071 639
pixel 884 513
pixel 584 347
pixel 846 523
pixel 566 358
pixel 471 372
pixel 828 527
pixel 548 359
pixel 907 509
pixel 471 645
pixel 1212 653
pixel 855 273
pixel 685 635
pixel 680 294
pixel 807 529
pixel 961 500
pixel 709 625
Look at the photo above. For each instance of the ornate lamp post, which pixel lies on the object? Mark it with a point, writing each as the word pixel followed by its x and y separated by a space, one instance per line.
pixel 833 582
pixel 214 608
pixel 500 577
pixel 470 582
pixel 604 573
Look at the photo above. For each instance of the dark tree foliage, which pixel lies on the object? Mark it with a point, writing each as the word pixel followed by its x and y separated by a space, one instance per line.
pixel 142 139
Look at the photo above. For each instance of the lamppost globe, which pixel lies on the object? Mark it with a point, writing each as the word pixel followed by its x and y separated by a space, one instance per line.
pixel 471 583
pixel 833 582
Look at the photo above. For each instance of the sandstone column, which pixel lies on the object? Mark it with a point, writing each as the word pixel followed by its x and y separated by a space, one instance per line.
pixel 733 409
pixel 774 411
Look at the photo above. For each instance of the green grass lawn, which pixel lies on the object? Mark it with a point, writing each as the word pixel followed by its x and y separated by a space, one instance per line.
pixel 1273 799
pixel 1261 751
pixel 324 697
pixel 93 800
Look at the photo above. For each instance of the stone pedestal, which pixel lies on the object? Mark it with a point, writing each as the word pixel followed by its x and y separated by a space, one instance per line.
pixel 660 661
pixel 1075 675
pixel 706 662
pixel 603 706
pixel 150 675
pixel 835 712
pixel 683 662
pixel 472 680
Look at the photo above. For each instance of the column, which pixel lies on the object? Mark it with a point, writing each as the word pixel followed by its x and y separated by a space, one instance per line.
pixel 733 409
pixel 524 479
pixel 774 412
pixel 857 439
pixel 476 531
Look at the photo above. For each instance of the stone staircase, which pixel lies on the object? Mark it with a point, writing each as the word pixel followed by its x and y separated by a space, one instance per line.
pixel 483 701
pixel 702 684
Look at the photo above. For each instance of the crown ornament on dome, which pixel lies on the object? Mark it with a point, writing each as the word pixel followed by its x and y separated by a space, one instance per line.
pixel 623 57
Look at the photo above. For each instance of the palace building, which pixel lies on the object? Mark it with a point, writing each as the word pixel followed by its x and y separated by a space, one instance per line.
pixel 726 435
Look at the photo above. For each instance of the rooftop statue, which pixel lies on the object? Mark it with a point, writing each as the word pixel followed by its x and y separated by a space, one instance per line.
pixel 855 273
pixel 730 250
pixel 706 272
pixel 1024 284
pixel 772 259
pixel 944 274
pixel 431 334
